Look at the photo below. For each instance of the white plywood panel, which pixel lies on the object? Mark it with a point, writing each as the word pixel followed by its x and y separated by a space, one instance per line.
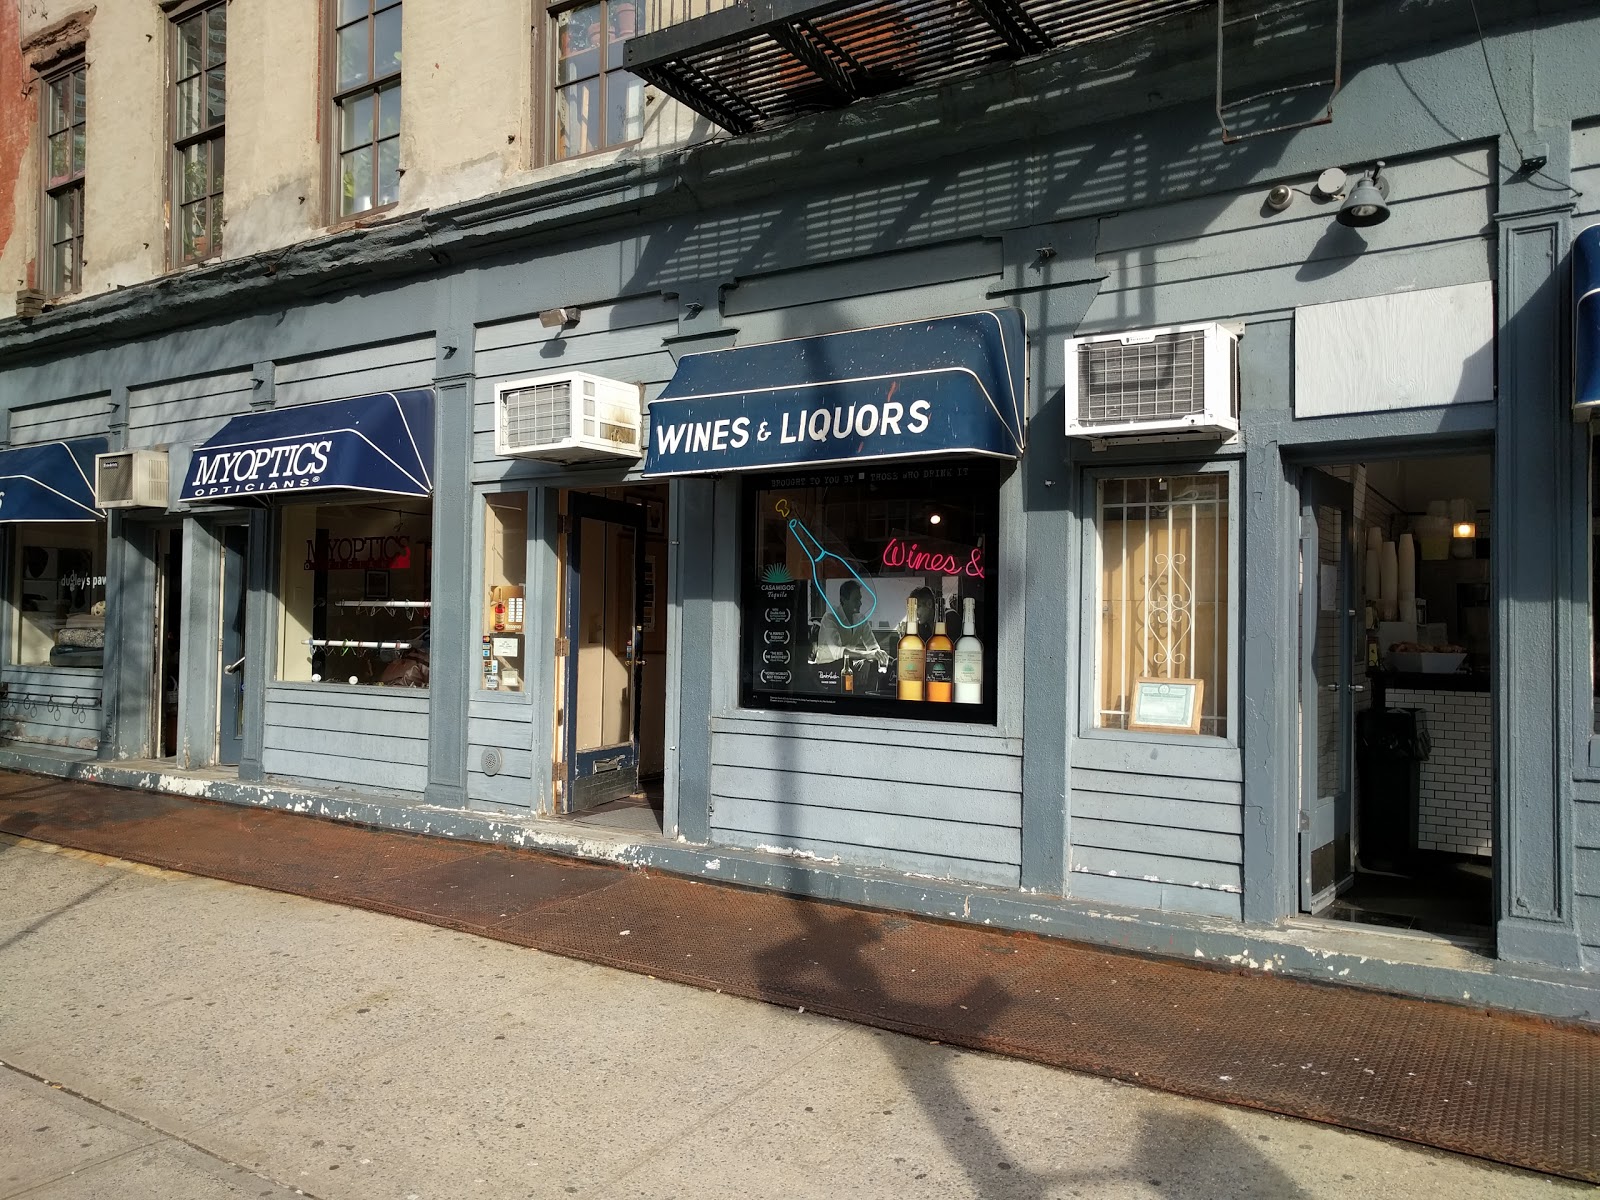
pixel 1403 350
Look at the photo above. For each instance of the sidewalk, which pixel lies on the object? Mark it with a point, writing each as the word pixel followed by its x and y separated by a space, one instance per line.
pixel 1517 1091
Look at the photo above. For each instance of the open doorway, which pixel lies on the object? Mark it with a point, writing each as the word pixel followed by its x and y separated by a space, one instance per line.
pixel 168 639
pixel 1396 695
pixel 611 724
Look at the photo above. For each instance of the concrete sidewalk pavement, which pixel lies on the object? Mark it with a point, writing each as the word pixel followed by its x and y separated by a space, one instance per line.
pixel 215 1040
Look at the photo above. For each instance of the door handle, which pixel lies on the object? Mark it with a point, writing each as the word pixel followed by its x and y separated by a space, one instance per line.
pixel 233 667
pixel 1358 687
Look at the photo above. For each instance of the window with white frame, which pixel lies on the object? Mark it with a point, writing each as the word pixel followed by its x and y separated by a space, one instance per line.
pixel 1164 631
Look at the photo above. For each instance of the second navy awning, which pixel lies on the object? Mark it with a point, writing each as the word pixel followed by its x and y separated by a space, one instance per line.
pixel 941 387
pixel 381 443
pixel 1586 318
pixel 50 482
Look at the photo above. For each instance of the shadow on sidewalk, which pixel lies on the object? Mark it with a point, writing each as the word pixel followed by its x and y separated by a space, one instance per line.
pixel 924 1071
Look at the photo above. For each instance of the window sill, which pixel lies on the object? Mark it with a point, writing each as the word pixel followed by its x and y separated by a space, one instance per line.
pixel 815 722
pixel 1200 741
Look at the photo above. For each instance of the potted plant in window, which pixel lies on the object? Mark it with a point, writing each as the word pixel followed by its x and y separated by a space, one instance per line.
pixel 624 20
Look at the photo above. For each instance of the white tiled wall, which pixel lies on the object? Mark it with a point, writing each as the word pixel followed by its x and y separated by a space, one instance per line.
pixel 1457 783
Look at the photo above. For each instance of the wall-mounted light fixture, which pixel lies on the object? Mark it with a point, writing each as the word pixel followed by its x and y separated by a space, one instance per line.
pixel 1366 203
pixel 558 318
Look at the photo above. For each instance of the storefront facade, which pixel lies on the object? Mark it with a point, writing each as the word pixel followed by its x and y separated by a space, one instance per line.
pixel 1139 721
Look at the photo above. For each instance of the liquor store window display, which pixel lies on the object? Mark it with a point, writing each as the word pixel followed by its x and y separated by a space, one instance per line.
pixel 871 591
pixel 58 594
pixel 505 579
pixel 1163 603
pixel 355 584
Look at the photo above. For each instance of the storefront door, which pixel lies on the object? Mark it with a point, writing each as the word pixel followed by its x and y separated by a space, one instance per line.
pixel 230 712
pixel 604 622
pixel 1327 650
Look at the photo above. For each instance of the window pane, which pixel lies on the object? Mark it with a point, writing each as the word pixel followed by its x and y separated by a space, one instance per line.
pixel 216 35
pixel 353 48
pixel 575 118
pixel 857 590
pixel 386 43
pixel 389 112
pixel 77 150
pixel 1163 592
pixel 80 101
pixel 187 106
pixel 216 166
pixel 389 171
pixel 356 582
pixel 60 156
pixel 190 47
pixel 624 20
pixel 578 43
pixel 625 108
pixel 216 95
pixel 57 116
pixel 355 173
pixel 505 576
pixel 194 230
pixel 356 121
pixel 59 595
pixel 64 215
pixel 350 10
pixel 196 174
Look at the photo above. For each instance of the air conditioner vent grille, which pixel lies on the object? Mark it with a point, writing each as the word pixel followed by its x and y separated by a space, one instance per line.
pixel 1142 381
pixel 537 416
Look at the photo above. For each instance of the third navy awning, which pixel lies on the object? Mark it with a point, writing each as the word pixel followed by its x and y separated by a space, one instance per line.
pixel 381 443
pixel 1586 318
pixel 51 482
pixel 941 387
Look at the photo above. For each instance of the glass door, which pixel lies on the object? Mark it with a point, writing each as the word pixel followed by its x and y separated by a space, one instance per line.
pixel 230 710
pixel 1327 719
pixel 604 624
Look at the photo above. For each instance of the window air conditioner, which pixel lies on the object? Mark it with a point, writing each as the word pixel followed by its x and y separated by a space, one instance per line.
pixel 568 418
pixel 131 479
pixel 1181 381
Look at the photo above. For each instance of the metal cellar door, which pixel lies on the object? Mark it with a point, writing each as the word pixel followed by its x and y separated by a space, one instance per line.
pixel 1327 717
pixel 604 620
pixel 230 707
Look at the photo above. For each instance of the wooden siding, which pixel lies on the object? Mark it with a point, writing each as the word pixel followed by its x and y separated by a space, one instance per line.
pixel 952 809
pixel 503 725
pixel 384 368
pixel 1586 863
pixel 38 706
pixel 186 411
pixel 1145 834
pixel 348 737
pixel 59 420
pixel 618 341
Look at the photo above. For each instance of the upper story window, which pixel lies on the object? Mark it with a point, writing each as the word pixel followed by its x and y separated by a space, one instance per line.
pixel 64 118
pixel 596 104
pixel 366 105
pixel 199 109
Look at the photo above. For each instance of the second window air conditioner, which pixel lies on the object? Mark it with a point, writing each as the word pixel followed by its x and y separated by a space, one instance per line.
pixel 567 418
pixel 1181 381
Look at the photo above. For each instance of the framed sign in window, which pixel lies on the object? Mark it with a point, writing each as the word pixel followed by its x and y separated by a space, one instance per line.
pixel 1167 705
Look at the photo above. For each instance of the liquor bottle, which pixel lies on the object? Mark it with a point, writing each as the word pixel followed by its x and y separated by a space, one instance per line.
pixel 913 657
pixel 941 664
pixel 969 657
pixel 848 676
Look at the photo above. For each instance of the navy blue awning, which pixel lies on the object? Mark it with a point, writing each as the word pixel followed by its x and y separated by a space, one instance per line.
pixel 946 386
pixel 51 482
pixel 381 443
pixel 1586 317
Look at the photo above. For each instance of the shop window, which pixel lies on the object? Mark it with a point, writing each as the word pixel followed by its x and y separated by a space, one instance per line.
pixel 872 592
pixel 199 108
pixel 59 595
pixel 65 116
pixel 596 104
pixel 355 585
pixel 1164 621
pixel 505 579
pixel 366 105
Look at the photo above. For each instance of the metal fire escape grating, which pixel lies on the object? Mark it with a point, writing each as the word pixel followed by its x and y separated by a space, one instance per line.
pixel 762 62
